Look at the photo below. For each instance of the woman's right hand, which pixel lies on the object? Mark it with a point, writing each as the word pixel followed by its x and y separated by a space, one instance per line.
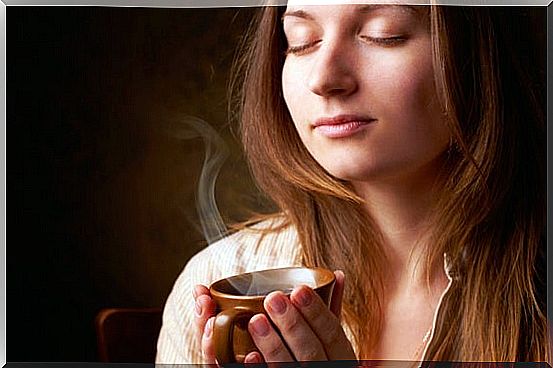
pixel 204 316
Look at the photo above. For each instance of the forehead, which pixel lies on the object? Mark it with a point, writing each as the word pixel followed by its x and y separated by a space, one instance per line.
pixel 294 3
pixel 311 12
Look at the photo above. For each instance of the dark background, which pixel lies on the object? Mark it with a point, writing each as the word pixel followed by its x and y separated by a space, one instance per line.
pixel 101 196
pixel 101 187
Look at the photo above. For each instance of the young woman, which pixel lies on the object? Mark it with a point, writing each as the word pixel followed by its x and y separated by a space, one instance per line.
pixel 405 147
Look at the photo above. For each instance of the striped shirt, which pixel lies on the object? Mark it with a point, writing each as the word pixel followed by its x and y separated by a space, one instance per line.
pixel 245 251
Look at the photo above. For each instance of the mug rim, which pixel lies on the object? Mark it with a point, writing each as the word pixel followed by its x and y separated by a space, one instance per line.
pixel 214 292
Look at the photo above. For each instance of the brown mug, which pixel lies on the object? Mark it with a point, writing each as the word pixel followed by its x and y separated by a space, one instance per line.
pixel 240 297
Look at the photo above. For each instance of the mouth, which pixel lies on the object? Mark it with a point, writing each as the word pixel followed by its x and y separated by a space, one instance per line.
pixel 341 126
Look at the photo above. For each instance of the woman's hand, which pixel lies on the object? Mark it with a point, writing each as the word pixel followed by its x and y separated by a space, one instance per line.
pixel 204 315
pixel 310 330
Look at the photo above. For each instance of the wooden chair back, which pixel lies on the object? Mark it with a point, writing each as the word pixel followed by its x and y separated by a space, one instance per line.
pixel 128 335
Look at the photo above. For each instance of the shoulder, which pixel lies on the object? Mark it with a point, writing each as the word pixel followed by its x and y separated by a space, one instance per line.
pixel 264 245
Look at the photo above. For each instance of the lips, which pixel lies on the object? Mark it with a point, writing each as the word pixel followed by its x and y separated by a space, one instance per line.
pixel 341 126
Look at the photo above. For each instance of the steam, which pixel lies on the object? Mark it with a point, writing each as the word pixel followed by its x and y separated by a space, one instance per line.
pixel 213 227
pixel 216 152
pixel 263 283
pixel 267 281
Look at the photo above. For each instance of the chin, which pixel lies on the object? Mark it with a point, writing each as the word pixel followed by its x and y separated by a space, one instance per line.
pixel 366 173
pixel 352 174
pixel 351 166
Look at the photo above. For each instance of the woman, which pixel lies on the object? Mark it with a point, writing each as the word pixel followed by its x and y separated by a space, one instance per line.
pixel 395 140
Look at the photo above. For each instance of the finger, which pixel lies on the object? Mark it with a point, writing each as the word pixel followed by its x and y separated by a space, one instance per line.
pixel 267 340
pixel 337 294
pixel 208 347
pixel 200 290
pixel 204 308
pixel 199 308
pixel 253 358
pixel 324 324
pixel 297 333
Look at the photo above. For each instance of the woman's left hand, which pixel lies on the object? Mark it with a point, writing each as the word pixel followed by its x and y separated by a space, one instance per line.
pixel 310 330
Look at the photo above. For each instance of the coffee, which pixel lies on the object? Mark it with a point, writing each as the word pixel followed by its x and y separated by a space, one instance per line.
pixel 264 282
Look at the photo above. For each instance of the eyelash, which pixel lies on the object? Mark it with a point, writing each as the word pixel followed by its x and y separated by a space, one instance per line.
pixel 382 41
pixel 296 50
pixel 385 41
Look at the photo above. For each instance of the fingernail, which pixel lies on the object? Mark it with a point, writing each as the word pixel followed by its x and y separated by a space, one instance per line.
pixel 278 304
pixel 209 328
pixel 252 358
pixel 304 296
pixel 260 326
pixel 198 308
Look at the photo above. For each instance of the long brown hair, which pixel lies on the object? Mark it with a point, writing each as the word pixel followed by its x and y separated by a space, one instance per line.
pixel 491 211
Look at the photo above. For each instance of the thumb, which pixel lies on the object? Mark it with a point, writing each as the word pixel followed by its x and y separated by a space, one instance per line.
pixel 337 294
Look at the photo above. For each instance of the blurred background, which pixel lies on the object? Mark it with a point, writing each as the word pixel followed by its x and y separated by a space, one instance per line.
pixel 102 185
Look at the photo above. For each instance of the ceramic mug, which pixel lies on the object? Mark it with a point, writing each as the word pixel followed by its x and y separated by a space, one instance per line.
pixel 240 297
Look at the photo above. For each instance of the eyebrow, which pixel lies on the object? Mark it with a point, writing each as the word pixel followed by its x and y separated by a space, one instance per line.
pixel 297 13
pixel 363 9
pixel 371 8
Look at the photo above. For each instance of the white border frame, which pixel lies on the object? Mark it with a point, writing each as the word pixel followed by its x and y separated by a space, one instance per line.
pixel 162 4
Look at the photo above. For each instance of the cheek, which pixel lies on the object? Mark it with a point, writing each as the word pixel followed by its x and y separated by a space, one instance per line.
pixel 407 97
pixel 289 85
pixel 292 93
pixel 407 93
pixel 406 81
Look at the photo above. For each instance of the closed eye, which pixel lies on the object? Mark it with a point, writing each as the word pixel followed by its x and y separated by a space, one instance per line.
pixel 385 41
pixel 298 50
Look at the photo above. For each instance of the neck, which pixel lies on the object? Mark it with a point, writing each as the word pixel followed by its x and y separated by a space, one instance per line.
pixel 402 211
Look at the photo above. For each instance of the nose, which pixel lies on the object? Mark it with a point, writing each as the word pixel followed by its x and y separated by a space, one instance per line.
pixel 333 71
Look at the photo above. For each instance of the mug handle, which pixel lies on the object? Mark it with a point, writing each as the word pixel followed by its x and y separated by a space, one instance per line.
pixel 223 328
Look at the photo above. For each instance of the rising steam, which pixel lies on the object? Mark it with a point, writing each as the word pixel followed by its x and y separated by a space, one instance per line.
pixel 216 152
pixel 213 227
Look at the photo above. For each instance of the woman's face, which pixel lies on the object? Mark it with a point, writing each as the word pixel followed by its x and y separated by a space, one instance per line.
pixel 359 85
